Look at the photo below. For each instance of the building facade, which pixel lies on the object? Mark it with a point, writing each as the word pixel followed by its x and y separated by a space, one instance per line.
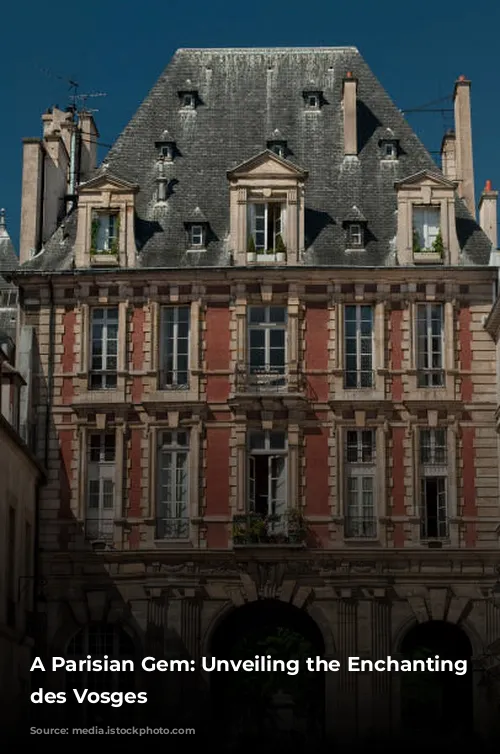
pixel 265 386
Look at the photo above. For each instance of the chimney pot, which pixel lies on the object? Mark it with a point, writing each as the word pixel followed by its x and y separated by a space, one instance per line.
pixel 462 78
pixel 464 156
pixel 487 186
pixel 350 114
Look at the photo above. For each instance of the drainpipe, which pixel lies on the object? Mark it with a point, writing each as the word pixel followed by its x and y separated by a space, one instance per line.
pixel 50 371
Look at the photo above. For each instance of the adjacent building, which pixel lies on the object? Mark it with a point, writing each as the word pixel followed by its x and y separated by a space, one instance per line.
pixel 265 385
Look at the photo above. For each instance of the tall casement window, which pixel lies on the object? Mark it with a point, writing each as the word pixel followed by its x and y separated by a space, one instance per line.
pixel 426 227
pixel 105 228
pixel 101 476
pixel 174 347
pixel 267 476
pixel 173 485
pixel 430 345
pixel 266 224
pixel 433 484
pixel 358 346
pixel 104 348
pixel 360 512
pixel 267 347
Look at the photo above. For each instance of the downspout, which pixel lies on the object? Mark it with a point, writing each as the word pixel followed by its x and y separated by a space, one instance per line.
pixel 50 371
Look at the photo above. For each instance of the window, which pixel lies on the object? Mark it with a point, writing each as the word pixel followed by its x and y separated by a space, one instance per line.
pixel 266 225
pixel 101 475
pixel 430 345
pixel 173 490
pixel 358 345
pixel 196 236
pixel 426 227
pixel 188 100
pixel 174 347
pixel 267 347
pixel 11 569
pixel 167 152
pixel 104 348
pixel 433 484
pixel 267 477
pixel 389 150
pixel 278 147
pixel 355 235
pixel 312 100
pixel 8 298
pixel 360 520
pixel 105 233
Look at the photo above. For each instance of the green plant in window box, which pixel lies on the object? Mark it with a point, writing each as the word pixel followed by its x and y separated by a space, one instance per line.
pixel 416 242
pixel 280 245
pixel 239 534
pixel 296 527
pixel 257 529
pixel 251 245
pixel 438 246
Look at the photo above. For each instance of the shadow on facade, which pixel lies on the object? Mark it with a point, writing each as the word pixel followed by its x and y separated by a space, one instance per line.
pixel 268 709
pixel 437 706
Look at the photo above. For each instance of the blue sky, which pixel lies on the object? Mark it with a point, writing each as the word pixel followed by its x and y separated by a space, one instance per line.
pixel 120 48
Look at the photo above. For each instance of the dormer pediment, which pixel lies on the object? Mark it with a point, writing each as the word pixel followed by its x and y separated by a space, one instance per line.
pixel 108 182
pixel 426 178
pixel 267 165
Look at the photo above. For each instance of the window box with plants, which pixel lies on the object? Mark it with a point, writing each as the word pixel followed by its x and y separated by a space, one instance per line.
pixel 277 254
pixel 432 255
pixel 254 529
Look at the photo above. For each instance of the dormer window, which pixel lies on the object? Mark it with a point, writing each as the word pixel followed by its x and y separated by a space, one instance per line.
pixel 426 228
pixel 197 239
pixel 389 149
pixel 312 100
pixel 277 144
pixel 355 236
pixel 166 147
pixel 167 152
pixel 197 231
pixel 189 99
pixel 266 225
pixel 105 233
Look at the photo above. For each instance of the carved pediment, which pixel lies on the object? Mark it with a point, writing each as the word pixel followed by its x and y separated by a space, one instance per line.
pixel 108 182
pixel 267 165
pixel 426 178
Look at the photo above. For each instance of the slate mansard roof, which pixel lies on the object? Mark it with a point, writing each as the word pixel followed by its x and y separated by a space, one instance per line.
pixel 244 95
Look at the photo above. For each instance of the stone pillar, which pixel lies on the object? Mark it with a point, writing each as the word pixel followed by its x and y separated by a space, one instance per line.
pixel 346 712
pixel 381 682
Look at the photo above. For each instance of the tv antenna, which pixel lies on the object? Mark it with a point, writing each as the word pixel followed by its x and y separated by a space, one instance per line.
pixel 77 101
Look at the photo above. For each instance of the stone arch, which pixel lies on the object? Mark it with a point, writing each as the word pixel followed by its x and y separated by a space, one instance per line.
pixel 277 704
pixel 437 703
pixel 466 626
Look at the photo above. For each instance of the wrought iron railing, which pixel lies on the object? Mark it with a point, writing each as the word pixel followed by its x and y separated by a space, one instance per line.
pixel 360 527
pixel 282 379
pixel 99 529
pixel 173 379
pixel 434 527
pixel 254 528
pixel 172 528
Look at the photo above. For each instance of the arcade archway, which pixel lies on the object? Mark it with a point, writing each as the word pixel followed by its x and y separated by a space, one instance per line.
pixel 268 708
pixel 437 704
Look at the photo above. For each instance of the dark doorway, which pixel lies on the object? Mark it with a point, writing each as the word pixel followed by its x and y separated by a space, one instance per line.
pixel 437 705
pixel 268 709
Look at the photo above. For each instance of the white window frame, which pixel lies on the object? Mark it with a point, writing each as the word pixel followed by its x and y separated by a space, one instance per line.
pixel 171 377
pixel 107 233
pixel 188 101
pixel 167 151
pixel 355 236
pixel 390 150
pixel 173 496
pixel 277 479
pixel 312 101
pixel 360 519
pixel 428 375
pixel 267 375
pixel 360 339
pixel 262 212
pixel 197 236
pixel 108 376
pixel 434 465
pixel 426 225
pixel 99 518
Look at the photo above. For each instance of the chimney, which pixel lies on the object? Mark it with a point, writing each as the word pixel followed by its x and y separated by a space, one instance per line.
pixel 463 131
pixel 31 199
pixel 350 116
pixel 488 213
pixel 449 155
pixel 89 136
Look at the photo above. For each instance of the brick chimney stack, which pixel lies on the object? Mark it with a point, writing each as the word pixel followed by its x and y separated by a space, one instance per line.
pixel 350 114
pixel 463 135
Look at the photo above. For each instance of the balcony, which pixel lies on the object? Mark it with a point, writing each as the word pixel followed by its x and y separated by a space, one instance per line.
pixel 360 527
pixel 172 528
pixel 99 530
pixel 251 380
pixel 254 529
pixel 434 529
